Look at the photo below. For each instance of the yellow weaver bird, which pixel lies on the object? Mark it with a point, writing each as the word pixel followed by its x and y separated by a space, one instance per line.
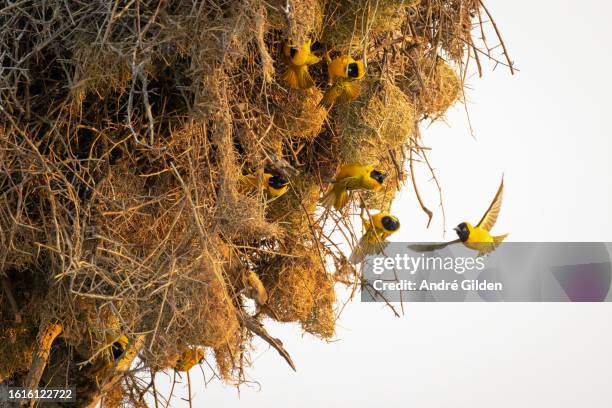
pixel 273 184
pixel 118 350
pixel 189 358
pixel 476 237
pixel 343 72
pixel 298 59
pixel 119 347
pixel 352 177
pixel 380 227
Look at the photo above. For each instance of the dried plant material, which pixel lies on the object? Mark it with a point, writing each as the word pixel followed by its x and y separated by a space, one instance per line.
pixel 381 119
pixel 300 290
pixel 298 19
pixel 297 114
pixel 124 133
pixel 350 23
pixel 295 211
pixel 442 89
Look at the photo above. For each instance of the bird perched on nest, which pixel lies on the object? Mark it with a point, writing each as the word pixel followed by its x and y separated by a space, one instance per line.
pixel 380 227
pixel 119 347
pixel 343 72
pixel 476 237
pixel 274 185
pixel 189 357
pixel 352 177
pixel 298 58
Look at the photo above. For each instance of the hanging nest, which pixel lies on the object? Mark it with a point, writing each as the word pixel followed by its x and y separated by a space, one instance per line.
pixel 297 114
pixel 295 210
pixel 380 120
pixel 440 90
pixel 349 23
pixel 433 84
pixel 453 21
pixel 100 71
pixel 301 22
pixel 300 290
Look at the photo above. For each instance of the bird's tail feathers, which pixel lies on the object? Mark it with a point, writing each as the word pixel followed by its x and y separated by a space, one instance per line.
pixel 499 238
pixel 350 91
pixel 247 183
pixel 336 196
pixel 297 76
pixel 312 59
pixel 369 244
pixel 487 249
pixel 330 96
pixel 341 199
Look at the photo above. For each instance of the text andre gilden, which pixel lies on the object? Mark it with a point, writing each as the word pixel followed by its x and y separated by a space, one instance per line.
pixel 440 286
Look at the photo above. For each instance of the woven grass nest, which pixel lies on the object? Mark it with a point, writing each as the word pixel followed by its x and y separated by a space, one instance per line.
pixel 124 133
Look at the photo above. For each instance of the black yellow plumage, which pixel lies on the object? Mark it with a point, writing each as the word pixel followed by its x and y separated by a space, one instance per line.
pixel 343 72
pixel 274 185
pixel 476 237
pixel 352 177
pixel 189 358
pixel 298 58
pixel 379 228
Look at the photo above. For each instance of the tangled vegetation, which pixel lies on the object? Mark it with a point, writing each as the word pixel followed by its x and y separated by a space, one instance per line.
pixel 125 127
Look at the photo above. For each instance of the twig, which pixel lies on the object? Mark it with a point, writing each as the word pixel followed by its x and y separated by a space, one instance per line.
pixel 416 191
pixel 435 178
pixel 40 356
pixel 257 328
pixel 171 390
pixel 189 389
pixel 267 63
pixel 155 397
pixel 288 12
pixel 499 36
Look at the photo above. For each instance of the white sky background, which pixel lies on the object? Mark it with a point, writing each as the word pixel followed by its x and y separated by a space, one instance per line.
pixel 547 129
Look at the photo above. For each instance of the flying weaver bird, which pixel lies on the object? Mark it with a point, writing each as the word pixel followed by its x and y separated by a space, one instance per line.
pixel 273 184
pixel 476 237
pixel 352 177
pixel 189 357
pixel 344 72
pixel 298 59
pixel 380 227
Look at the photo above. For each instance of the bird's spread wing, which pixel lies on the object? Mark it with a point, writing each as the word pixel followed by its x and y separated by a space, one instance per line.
pixel 487 248
pixel 431 247
pixel 312 59
pixel 298 77
pixel 350 91
pixel 248 181
pixel 488 219
pixel 331 95
pixel 350 183
pixel 369 244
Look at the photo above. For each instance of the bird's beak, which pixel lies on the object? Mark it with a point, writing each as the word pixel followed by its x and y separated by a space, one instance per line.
pixel 456 229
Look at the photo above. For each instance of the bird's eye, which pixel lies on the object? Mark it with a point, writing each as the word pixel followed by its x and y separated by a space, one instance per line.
pixel 352 70
pixel 293 51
